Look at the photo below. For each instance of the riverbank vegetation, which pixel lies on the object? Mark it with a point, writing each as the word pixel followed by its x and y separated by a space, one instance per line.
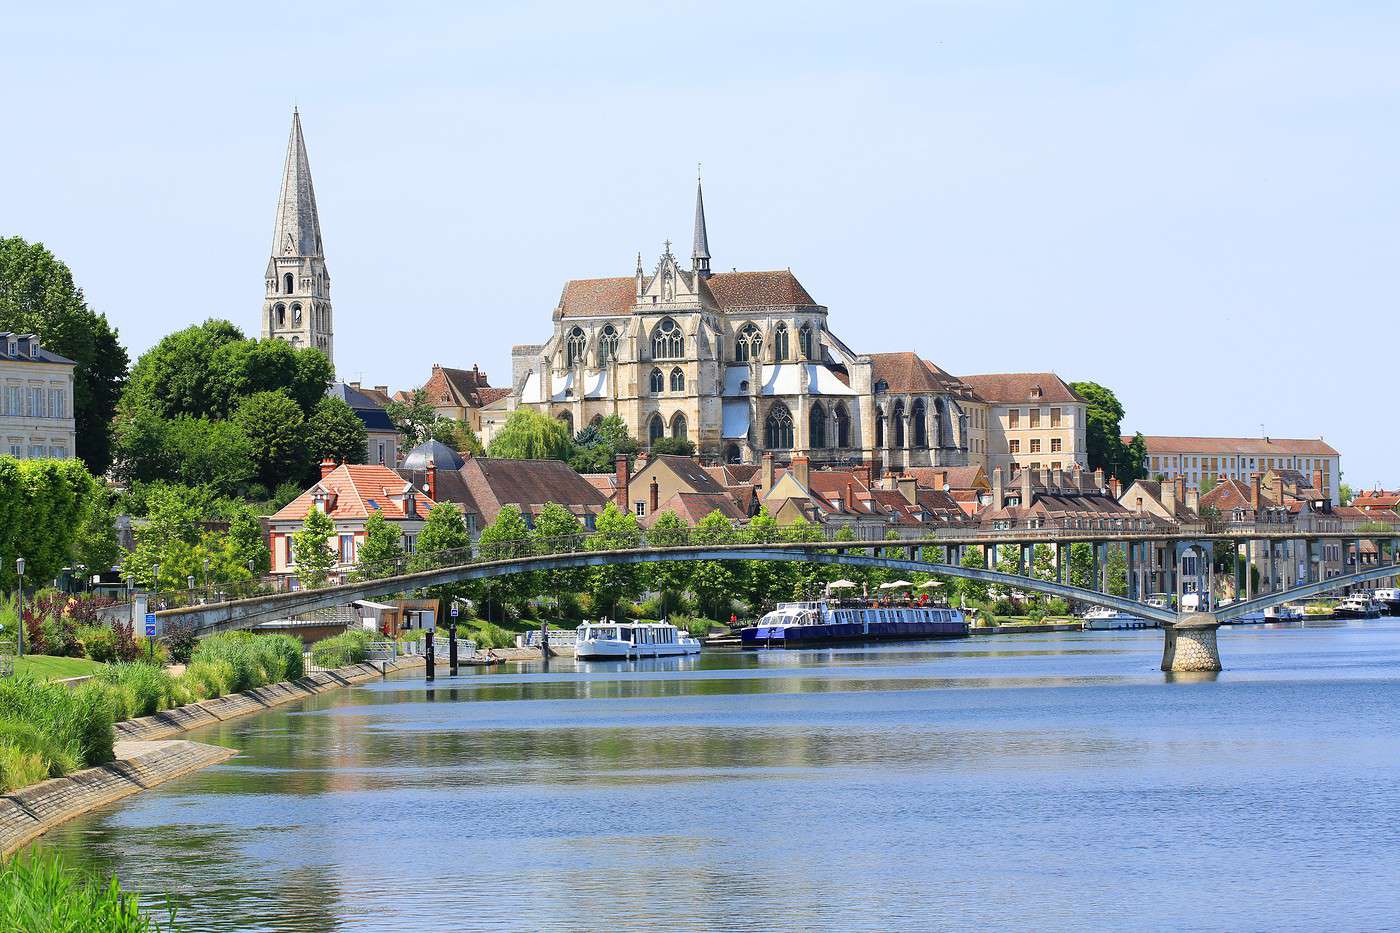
pixel 350 647
pixel 47 729
pixel 39 891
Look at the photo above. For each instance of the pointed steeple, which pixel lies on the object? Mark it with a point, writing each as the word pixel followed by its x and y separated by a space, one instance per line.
pixel 700 254
pixel 298 230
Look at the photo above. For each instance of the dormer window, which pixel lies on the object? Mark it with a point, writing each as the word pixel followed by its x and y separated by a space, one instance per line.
pixel 14 348
pixel 33 348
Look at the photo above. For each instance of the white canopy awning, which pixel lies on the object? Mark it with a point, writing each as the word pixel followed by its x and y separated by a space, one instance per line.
pixel 786 379
pixel 736 419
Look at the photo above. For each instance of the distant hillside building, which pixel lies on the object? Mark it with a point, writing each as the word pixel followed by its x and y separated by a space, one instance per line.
pixel 1239 458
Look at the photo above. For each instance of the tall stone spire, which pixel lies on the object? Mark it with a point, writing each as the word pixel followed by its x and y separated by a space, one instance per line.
pixel 298 226
pixel 297 307
pixel 700 254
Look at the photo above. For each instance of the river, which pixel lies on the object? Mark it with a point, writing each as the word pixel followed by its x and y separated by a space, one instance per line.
pixel 1049 782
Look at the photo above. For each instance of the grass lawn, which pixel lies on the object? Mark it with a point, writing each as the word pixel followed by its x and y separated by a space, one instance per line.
pixel 46 668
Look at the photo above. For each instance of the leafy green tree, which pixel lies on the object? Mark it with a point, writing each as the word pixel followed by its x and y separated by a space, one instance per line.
pixel 247 543
pixel 458 435
pixel 1344 492
pixel 1043 562
pixel 185 450
pixel 596 447
pixel 441 541
pixel 808 577
pixel 669 578
pixel 43 504
pixel 273 424
pixel 38 295
pixel 167 539
pixel 241 368
pixel 1103 435
pixel 382 548
pixel 715 582
pixel 177 375
pixel 529 435
pixel 311 544
pixel 763 583
pixel 414 418
pixel 1081 566
pixel 505 538
pixel 557 530
pixel 974 558
pixel 335 431
pixel 1116 565
pixel 679 446
pixel 611 584
pixel 97 547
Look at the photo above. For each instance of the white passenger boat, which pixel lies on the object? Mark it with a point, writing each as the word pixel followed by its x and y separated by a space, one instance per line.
pixel 605 639
pixel 1101 618
pixel 1288 612
pixel 1389 599
pixel 1358 606
pixel 1253 617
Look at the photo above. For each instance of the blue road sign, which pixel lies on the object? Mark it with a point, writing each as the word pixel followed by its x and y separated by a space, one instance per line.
pixel 150 625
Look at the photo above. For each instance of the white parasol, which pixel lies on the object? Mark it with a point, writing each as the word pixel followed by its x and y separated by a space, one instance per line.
pixel 896 585
pixel 842 585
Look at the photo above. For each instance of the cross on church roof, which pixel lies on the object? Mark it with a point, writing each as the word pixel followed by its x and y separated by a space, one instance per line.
pixel 668 247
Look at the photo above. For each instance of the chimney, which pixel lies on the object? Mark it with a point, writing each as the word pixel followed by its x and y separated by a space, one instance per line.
pixel 1098 478
pixel 909 488
pixel 1254 491
pixel 1058 477
pixel 1317 483
pixel 850 496
pixel 654 496
pixel 765 474
pixel 1180 484
pixel 997 492
pixel 1193 500
pixel 328 466
pixel 384 389
pixel 801 470
pixel 432 480
pixel 1028 479
pixel 353 385
pixel 1115 489
pixel 940 479
pixel 1169 497
pixel 623 479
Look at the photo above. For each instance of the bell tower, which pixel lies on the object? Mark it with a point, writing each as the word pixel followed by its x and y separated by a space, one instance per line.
pixel 297 308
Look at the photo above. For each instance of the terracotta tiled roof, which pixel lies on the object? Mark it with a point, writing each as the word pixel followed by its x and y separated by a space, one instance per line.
pixel 494 482
pixel 693 507
pixel 904 372
pixel 733 290
pixel 956 477
pixel 1377 499
pixel 456 387
pixel 489 394
pixel 358 489
pixel 1019 388
pixel 1252 446
pixel 584 297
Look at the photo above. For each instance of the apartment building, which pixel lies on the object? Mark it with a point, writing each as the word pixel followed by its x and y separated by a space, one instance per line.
pixel 1239 458
pixel 36 400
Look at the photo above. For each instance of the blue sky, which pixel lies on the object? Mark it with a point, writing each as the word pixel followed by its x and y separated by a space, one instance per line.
pixel 1194 204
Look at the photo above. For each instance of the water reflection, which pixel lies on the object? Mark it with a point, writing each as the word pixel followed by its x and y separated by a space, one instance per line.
pixel 1057 781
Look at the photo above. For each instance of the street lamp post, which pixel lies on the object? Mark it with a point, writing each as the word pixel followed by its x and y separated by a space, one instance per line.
pixel 206 573
pixel 19 633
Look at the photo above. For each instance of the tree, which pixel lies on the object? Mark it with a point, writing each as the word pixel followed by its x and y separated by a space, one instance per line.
pixel 557 530
pixel 809 578
pixel 177 376
pixel 246 542
pixel 1081 566
pixel 762 583
pixel 96 544
pixel 610 584
pixel 335 431
pixel 596 447
pixel 382 548
pixel 679 446
pixel 1344 493
pixel 38 296
pixel 529 435
pixel 185 450
pixel 669 578
pixel 714 582
pixel 507 537
pixel 1043 562
pixel 315 558
pixel 1116 565
pixel 414 418
pixel 458 435
pixel 43 504
pixel 444 539
pixel 1103 435
pixel 974 590
pixel 273 425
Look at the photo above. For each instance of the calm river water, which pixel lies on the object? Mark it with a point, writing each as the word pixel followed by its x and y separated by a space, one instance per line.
pixel 1048 782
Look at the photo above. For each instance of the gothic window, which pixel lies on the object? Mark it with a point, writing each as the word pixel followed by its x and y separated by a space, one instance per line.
pixel 677 380
pixel 843 425
pixel 780 342
pixel 804 338
pixel 678 427
pixel 816 430
pixel 732 454
pixel 658 382
pixel 879 427
pixel 749 345
pixel 777 430
pixel 897 423
pixel 281 315
pixel 667 341
pixel 656 429
pixel 575 346
pixel 296 315
pixel 918 424
pixel 607 345
pixel 287 284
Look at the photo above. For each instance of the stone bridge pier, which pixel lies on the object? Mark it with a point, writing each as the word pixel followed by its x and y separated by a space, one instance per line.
pixel 1189 644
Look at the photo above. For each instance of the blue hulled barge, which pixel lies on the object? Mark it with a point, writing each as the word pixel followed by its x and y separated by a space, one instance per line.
pixel 821 622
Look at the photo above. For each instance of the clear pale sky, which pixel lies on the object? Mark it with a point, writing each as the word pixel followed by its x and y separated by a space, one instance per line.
pixel 1194 204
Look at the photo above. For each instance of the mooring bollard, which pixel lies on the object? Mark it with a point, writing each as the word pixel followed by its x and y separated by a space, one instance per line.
pixel 428 653
pixel 452 648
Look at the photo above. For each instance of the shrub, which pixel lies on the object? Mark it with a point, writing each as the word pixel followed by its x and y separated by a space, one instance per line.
pixel 255 660
pixel 350 647
pixel 99 642
pixel 125 647
pixel 78 721
pixel 180 638
pixel 1056 606
pixel 696 627
pixel 282 657
pixel 491 635
pixel 60 637
pixel 206 680
pixel 39 892
pixel 147 688
pixel 26 744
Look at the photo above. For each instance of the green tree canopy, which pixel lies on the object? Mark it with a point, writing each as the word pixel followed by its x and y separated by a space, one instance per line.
pixel 529 435
pixel 38 295
pixel 611 584
pixel 335 431
pixel 671 577
pixel 715 583
pixel 458 435
pixel 273 424
pixel 414 418
pixel 1103 435
pixel 311 546
pixel 44 505
pixel 176 536
pixel 559 530
pixel 679 446
pixel 444 531
pixel 382 547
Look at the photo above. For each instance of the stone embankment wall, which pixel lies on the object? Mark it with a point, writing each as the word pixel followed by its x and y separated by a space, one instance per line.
pixel 147 755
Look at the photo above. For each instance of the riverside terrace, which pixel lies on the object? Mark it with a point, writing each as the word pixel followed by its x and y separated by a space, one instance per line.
pixel 1190 642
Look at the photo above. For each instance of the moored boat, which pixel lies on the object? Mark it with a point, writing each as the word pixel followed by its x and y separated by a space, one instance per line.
pixel 1389 599
pixel 1288 612
pixel 1101 618
pixel 1357 606
pixel 824 622
pixel 604 640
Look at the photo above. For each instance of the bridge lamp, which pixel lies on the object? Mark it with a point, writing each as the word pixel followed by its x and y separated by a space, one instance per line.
pixel 189 582
pixel 206 571
pixel 19 633
pixel 155 578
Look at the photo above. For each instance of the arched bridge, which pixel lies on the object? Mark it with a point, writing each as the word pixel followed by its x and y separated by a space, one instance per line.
pixel 1190 637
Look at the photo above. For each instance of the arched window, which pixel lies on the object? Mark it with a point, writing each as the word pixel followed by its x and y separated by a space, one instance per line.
pixel 898 423
pixel 677 380
pixel 607 345
pixel 749 344
pixel 678 427
pixel 287 284
pixel 568 420
pixel 667 341
pixel 732 454
pixel 804 337
pixel 656 429
pixel 816 426
pixel 879 427
pixel 780 342
pixel 777 430
pixel 296 315
pixel 575 346
pixel 843 425
pixel 658 382
pixel 917 424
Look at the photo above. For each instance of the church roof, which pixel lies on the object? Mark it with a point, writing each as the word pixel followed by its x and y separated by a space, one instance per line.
pixel 905 372
pixel 298 231
pixel 730 291
pixel 701 249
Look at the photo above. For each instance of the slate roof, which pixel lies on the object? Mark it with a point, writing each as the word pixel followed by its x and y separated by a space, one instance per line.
pixel 1017 388
pixel 23 353
pixel 365 407
pixel 297 221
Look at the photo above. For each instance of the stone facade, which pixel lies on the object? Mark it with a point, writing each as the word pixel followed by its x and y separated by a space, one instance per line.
pixel 36 400
pixel 1200 458
pixel 297 306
